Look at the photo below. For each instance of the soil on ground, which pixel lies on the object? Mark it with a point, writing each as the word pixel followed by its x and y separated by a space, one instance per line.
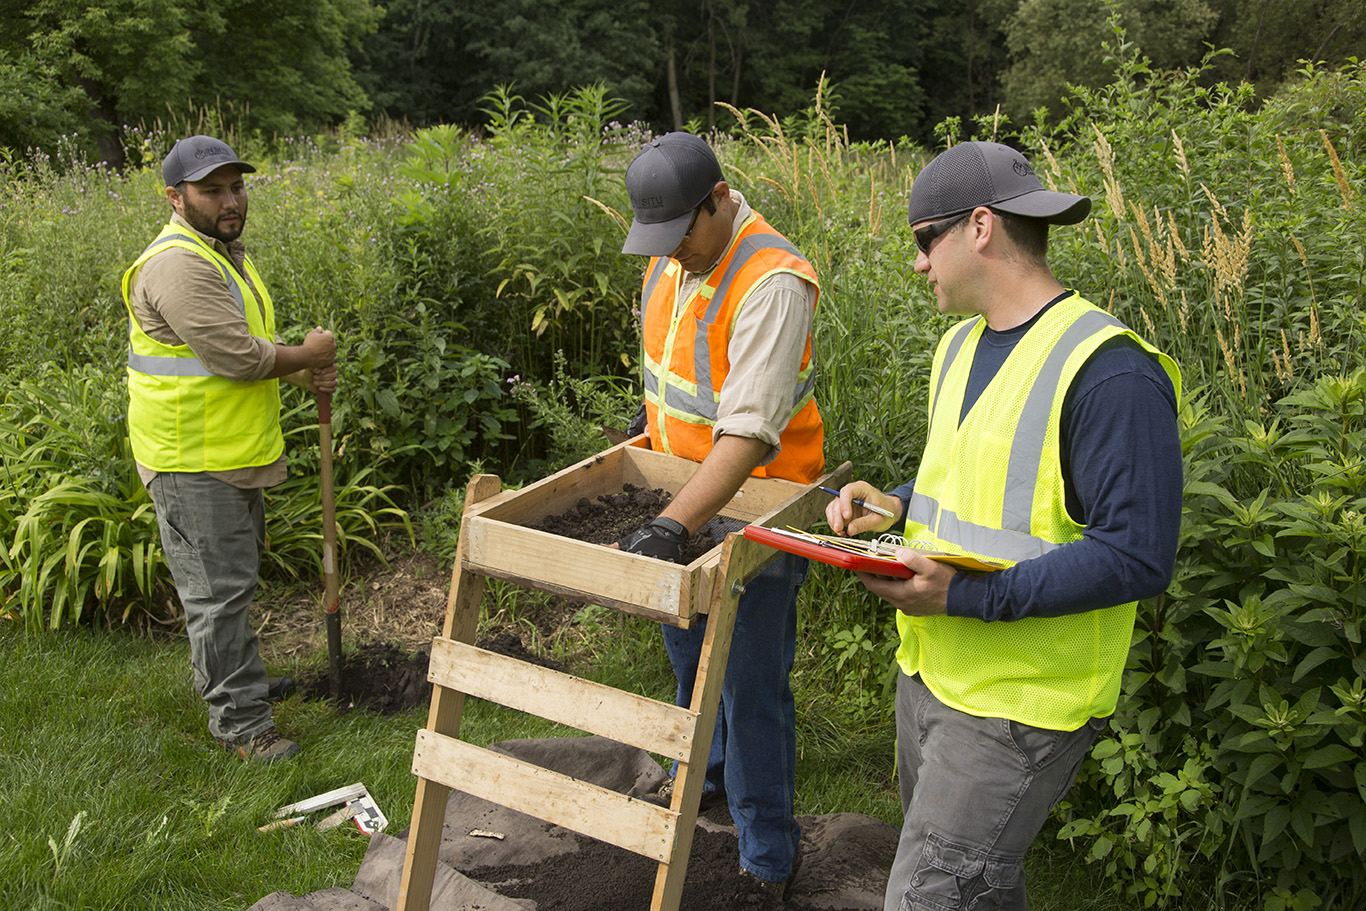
pixel 391 614
pixel 621 879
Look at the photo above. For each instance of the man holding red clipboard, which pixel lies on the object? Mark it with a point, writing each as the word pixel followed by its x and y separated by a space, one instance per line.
pixel 1053 448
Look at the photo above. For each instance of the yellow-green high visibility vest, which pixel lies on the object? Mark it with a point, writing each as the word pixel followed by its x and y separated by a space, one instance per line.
pixel 992 487
pixel 181 417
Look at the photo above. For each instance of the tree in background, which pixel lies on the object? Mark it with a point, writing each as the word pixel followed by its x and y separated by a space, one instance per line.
pixel 88 68
pixel 433 61
pixel 285 61
pixel 1270 37
pixel 92 68
pixel 1056 42
pixel 893 67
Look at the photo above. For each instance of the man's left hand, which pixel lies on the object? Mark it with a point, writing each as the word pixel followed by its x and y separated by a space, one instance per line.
pixel 322 380
pixel 926 594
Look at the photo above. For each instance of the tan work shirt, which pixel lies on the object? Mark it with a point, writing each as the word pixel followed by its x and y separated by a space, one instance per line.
pixel 765 350
pixel 180 298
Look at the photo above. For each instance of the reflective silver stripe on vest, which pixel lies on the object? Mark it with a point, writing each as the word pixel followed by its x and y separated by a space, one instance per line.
pixel 950 354
pixel 704 403
pixel 1026 447
pixel 1013 541
pixel 153 365
pixel 999 543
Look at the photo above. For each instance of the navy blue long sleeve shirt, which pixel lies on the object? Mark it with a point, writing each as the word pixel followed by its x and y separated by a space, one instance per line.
pixel 1121 467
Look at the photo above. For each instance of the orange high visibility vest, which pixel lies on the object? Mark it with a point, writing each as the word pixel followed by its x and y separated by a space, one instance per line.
pixel 686 361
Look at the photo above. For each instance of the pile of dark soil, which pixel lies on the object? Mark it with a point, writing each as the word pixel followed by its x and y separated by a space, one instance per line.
pixel 603 877
pixel 377 676
pixel 614 516
pixel 381 677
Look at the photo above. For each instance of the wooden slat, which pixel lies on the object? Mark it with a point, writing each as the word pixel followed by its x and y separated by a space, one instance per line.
pixel 501 549
pixel 626 822
pixel 429 803
pixel 655 727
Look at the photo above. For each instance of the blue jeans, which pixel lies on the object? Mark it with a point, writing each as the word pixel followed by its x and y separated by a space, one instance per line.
pixel 213 536
pixel 975 792
pixel 754 747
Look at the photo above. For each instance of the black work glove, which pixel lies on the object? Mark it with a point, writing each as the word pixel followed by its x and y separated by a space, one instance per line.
pixel 637 425
pixel 660 538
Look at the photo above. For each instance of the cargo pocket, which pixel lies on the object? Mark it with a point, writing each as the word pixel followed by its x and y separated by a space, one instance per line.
pixel 956 877
pixel 187 567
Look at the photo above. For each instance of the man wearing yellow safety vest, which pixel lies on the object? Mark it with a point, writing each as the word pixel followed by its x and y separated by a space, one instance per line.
pixel 204 422
pixel 1053 449
pixel 726 312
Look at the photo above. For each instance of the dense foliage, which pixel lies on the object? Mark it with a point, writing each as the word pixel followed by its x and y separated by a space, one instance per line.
pixel 92 71
pixel 486 323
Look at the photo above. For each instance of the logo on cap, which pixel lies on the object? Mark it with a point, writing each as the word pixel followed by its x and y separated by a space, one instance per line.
pixel 212 152
pixel 1022 168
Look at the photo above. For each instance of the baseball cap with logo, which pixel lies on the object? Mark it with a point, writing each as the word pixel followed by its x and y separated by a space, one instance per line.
pixel 973 174
pixel 193 158
pixel 666 181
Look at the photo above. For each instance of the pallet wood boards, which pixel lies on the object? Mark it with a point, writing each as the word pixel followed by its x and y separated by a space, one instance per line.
pixel 495 542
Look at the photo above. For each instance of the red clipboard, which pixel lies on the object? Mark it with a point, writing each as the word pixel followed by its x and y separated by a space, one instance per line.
pixel 835 556
pixel 861 563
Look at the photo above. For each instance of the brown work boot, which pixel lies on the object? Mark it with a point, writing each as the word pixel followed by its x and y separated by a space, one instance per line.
pixel 664 797
pixel 758 894
pixel 267 746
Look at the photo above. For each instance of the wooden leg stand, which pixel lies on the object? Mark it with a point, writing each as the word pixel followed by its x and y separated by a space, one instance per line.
pixel 442 761
pixel 443 718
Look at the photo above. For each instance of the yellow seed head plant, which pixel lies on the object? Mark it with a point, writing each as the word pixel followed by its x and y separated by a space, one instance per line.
pixel 1105 153
pixel 1344 187
pixel 1181 161
pixel 1286 167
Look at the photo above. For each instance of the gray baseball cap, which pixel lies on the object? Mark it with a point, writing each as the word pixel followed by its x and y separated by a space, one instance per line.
pixel 666 181
pixel 973 174
pixel 194 157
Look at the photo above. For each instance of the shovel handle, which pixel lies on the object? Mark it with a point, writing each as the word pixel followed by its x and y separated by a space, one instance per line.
pixel 331 590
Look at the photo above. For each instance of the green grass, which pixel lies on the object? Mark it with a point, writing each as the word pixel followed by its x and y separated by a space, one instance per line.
pixel 106 727
pixel 109 726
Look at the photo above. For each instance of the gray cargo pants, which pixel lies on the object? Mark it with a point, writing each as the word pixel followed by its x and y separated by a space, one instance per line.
pixel 975 792
pixel 213 536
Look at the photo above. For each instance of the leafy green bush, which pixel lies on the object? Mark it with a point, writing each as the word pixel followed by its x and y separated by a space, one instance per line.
pixel 78 526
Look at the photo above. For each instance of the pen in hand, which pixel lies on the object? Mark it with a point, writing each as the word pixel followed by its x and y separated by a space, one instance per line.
pixel 864 503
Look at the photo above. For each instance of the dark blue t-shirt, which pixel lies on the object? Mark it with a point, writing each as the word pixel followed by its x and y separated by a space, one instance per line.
pixel 1122 476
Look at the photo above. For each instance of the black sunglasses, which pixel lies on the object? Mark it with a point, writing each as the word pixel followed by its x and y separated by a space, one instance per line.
pixel 926 235
pixel 692 222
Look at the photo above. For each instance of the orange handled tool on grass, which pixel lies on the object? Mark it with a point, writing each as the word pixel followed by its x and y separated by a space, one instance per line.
pixel 331 591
